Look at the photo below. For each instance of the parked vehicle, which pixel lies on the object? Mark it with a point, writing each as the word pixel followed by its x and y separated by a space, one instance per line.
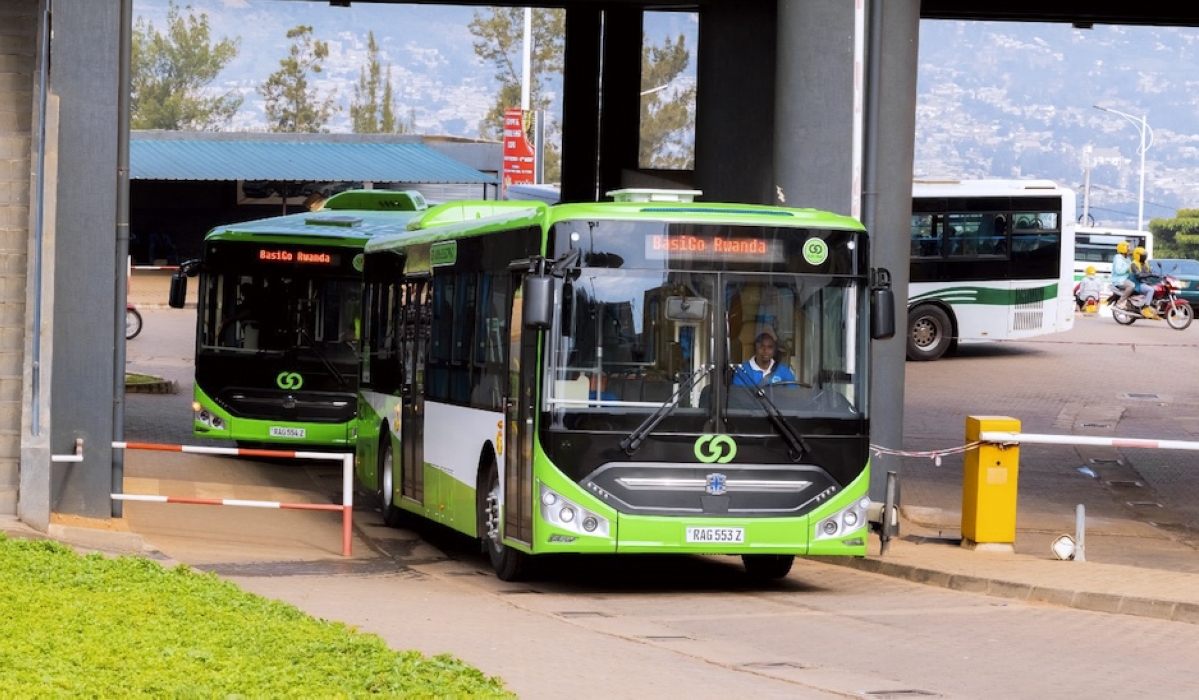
pixel 133 322
pixel 1176 312
pixel 1185 271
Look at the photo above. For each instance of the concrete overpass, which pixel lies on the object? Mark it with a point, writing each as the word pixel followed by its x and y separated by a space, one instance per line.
pixel 776 114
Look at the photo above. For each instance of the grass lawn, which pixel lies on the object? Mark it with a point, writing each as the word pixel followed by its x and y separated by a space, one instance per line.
pixel 92 626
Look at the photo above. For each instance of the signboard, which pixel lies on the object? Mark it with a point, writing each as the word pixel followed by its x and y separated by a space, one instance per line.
pixel 714 248
pixel 519 158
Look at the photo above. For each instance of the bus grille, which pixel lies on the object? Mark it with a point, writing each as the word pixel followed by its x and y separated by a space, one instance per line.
pixel 299 407
pixel 742 490
pixel 1029 311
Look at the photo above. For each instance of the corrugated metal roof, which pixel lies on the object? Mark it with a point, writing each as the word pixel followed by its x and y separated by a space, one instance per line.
pixel 294 161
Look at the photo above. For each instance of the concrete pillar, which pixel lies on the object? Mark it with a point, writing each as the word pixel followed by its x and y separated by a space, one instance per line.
pixel 581 105
pixel 79 252
pixel 734 122
pixel 813 157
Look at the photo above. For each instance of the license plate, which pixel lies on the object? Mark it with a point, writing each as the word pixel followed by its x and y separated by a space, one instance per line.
pixel 287 432
pixel 716 535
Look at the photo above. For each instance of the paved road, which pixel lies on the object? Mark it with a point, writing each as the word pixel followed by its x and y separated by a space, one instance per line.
pixel 693 627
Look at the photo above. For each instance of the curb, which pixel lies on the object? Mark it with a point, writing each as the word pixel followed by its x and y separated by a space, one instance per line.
pixel 1082 600
pixel 163 387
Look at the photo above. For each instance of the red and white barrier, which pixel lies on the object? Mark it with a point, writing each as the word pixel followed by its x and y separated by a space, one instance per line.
pixel 1006 438
pixel 347 482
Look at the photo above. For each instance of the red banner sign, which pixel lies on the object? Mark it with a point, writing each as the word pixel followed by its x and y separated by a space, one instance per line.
pixel 519 165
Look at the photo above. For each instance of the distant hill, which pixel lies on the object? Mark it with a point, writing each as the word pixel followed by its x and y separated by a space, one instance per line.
pixel 1017 100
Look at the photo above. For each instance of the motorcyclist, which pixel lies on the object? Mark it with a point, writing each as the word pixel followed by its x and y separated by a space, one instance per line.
pixel 1120 268
pixel 1140 272
pixel 1089 287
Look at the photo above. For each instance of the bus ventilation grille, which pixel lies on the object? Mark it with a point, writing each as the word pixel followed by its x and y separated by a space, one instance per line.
pixel 1029 310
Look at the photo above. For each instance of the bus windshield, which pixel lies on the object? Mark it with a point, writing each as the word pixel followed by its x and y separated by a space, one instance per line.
pixel 268 312
pixel 631 340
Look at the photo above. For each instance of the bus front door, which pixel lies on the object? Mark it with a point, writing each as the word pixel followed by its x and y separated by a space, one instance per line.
pixel 417 314
pixel 518 437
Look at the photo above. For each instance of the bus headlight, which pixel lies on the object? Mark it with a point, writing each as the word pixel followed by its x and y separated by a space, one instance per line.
pixel 845 521
pixel 567 515
pixel 206 417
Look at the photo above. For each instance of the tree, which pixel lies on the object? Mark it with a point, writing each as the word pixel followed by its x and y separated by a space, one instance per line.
pixel 1177 237
pixel 370 112
pixel 291 104
pixel 667 112
pixel 499 39
pixel 171 70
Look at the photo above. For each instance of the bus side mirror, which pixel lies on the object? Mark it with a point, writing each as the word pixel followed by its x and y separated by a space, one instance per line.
pixel 882 305
pixel 538 302
pixel 882 314
pixel 178 294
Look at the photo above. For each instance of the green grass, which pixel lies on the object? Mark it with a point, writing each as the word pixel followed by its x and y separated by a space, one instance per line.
pixel 132 378
pixel 96 627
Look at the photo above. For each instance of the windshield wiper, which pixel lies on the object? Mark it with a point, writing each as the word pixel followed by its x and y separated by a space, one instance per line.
pixel 799 446
pixel 341 378
pixel 635 438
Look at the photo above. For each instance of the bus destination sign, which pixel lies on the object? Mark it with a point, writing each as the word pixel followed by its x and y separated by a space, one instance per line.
pixel 298 257
pixel 690 247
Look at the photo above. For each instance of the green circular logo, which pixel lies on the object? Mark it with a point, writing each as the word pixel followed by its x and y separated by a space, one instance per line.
pixel 289 380
pixel 815 251
pixel 358 262
pixel 715 448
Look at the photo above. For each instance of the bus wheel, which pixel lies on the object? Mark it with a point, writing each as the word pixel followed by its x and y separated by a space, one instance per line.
pixel 767 567
pixel 509 564
pixel 385 493
pixel 928 333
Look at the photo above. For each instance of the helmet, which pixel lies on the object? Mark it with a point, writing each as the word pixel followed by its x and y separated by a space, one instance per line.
pixel 1138 254
pixel 1090 269
pixel 1122 247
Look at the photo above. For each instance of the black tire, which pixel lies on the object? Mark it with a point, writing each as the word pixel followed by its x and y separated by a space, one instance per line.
pixel 509 564
pixel 1123 317
pixel 930 333
pixel 1180 315
pixel 393 516
pixel 133 323
pixel 767 567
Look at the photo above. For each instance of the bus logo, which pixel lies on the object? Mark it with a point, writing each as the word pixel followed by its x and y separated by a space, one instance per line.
pixel 716 484
pixel 815 251
pixel 289 380
pixel 715 448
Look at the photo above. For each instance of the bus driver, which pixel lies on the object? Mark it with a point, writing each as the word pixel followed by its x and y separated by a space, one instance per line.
pixel 762 368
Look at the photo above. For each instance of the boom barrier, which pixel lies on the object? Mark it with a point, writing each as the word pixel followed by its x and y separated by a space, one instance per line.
pixel 1011 438
pixel 347 482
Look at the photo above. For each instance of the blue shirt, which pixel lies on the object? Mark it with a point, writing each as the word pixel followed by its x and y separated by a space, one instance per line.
pixel 751 375
pixel 1120 265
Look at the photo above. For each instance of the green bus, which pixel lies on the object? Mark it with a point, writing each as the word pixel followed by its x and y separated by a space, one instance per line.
pixel 576 378
pixel 278 321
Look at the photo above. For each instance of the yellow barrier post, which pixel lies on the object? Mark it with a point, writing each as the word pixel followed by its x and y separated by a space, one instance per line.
pixel 989 487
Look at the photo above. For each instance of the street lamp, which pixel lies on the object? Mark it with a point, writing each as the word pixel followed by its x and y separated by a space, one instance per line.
pixel 1143 125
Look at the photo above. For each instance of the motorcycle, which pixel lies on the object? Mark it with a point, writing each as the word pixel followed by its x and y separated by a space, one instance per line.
pixel 133 322
pixel 1177 313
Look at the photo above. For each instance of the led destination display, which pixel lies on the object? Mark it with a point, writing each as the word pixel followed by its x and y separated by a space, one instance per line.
pixel 300 257
pixel 690 247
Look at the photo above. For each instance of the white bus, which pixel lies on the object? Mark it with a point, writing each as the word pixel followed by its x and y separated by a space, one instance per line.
pixel 1095 246
pixel 990 260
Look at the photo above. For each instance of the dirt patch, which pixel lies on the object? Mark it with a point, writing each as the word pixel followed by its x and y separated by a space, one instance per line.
pixel 110 525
